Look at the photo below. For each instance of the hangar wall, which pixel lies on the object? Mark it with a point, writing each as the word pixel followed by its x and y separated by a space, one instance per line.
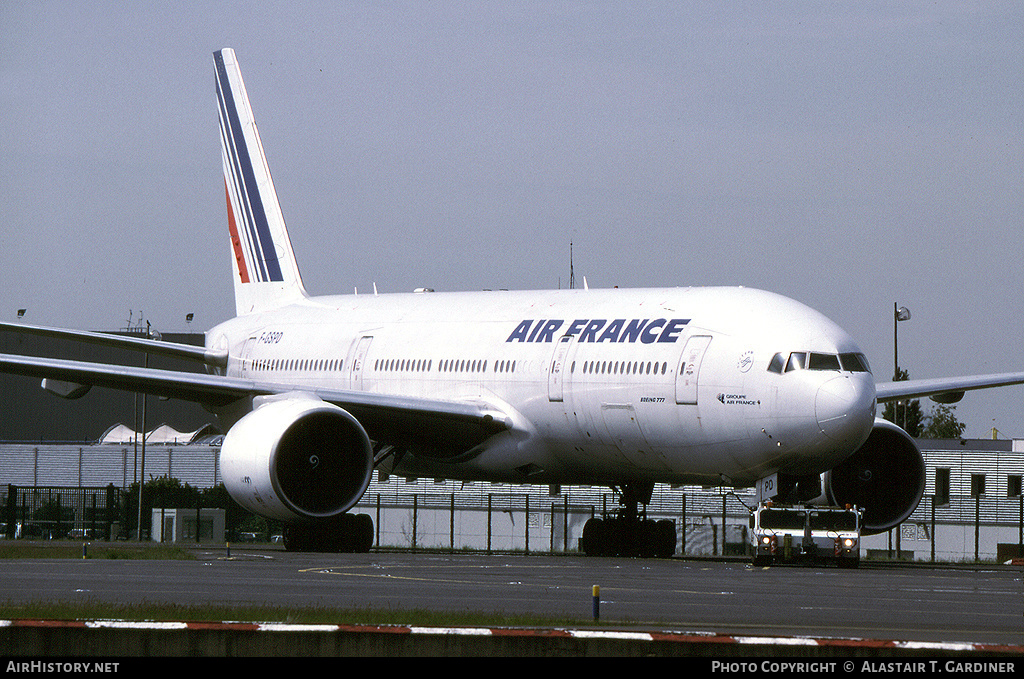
pixel 32 414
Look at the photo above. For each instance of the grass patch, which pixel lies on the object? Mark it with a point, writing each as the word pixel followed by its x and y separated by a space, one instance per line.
pixel 95 610
pixel 103 550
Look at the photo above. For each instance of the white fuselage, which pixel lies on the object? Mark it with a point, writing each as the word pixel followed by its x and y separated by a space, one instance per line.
pixel 603 386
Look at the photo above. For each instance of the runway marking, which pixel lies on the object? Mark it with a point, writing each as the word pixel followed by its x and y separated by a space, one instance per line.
pixel 388 576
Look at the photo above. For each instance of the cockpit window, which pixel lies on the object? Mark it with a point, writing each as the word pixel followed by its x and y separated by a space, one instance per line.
pixel 855 363
pixel 802 360
pixel 797 361
pixel 823 362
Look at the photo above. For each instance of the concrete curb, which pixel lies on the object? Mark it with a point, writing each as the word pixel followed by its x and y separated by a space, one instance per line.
pixel 125 638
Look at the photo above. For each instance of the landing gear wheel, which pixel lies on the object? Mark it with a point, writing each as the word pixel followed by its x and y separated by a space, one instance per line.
pixel 362 533
pixel 666 538
pixel 593 541
pixel 628 534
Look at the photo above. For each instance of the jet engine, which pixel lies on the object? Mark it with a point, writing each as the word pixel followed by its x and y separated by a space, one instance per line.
pixel 297 458
pixel 885 477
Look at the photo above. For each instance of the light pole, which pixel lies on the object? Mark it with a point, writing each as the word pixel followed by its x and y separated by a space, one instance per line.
pixel 150 334
pixel 899 313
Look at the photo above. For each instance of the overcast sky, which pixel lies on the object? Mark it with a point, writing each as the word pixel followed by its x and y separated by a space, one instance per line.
pixel 848 155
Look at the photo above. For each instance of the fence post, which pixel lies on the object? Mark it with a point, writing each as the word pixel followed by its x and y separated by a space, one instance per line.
pixel 526 524
pixel 451 523
pixel 490 499
pixel 977 523
pixel 415 509
pixel 565 523
pixel 933 529
pixel 899 537
pixel 682 545
pixel 723 524
pixel 552 547
pixel 12 507
pixel 110 512
pixel 1020 525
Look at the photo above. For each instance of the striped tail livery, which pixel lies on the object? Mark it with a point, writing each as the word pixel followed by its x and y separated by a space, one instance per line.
pixel 266 273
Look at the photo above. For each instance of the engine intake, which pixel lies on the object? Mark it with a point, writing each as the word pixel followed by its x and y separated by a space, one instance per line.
pixel 297 458
pixel 885 477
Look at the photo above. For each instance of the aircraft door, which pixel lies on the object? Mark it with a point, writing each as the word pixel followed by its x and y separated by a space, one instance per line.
pixel 357 362
pixel 556 376
pixel 623 430
pixel 245 365
pixel 689 369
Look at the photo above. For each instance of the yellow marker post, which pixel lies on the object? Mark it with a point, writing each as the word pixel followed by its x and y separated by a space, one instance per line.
pixel 597 601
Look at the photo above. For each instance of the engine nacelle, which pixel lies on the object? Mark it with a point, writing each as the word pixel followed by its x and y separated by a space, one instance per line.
pixel 885 477
pixel 297 458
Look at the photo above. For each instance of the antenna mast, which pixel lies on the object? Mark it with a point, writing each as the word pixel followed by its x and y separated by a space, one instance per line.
pixel 572 276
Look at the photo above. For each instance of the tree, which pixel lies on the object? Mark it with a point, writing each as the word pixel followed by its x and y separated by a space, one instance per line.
pixel 905 414
pixel 942 424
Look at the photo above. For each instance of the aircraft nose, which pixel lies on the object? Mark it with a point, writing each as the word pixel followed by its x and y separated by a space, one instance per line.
pixel 844 408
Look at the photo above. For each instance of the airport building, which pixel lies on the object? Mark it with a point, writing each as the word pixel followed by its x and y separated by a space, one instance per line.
pixel 973 507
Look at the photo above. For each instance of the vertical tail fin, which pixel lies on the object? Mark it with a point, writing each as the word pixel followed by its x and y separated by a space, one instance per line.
pixel 266 273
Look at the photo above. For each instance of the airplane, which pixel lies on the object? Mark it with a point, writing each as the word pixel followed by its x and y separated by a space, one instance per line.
pixel 625 388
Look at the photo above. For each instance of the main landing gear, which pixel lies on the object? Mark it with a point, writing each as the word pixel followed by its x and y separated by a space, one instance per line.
pixel 344 533
pixel 629 533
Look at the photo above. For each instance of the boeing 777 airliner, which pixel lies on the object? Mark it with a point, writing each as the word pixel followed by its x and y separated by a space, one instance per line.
pixel 618 387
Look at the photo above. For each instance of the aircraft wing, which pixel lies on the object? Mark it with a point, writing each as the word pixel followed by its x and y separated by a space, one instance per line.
pixel 944 389
pixel 152 346
pixel 452 425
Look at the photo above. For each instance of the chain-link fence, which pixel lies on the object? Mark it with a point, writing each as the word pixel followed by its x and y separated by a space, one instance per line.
pixel 491 517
